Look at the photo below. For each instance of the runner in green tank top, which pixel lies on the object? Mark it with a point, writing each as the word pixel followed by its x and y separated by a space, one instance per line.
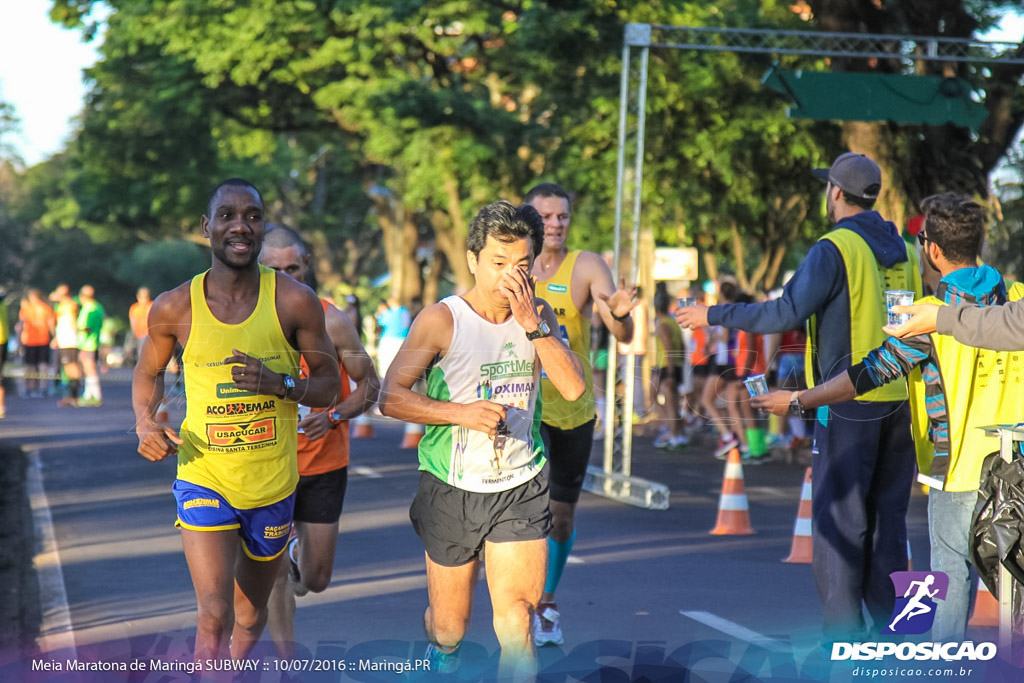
pixel 576 283
pixel 481 483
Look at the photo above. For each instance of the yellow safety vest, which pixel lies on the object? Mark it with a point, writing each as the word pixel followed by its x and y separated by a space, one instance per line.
pixel 866 281
pixel 982 387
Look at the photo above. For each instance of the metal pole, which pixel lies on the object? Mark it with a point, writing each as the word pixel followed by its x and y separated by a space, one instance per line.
pixel 638 178
pixel 620 181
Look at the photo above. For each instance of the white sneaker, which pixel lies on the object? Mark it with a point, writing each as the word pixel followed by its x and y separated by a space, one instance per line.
pixel 546 630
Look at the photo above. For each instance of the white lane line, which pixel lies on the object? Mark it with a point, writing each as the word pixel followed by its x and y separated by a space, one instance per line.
pixel 572 559
pixel 367 472
pixel 736 631
pixel 57 633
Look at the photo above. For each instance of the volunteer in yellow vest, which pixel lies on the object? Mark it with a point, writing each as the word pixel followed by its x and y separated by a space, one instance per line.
pixel 575 283
pixel 863 465
pixel 323 450
pixel 955 389
pixel 242 327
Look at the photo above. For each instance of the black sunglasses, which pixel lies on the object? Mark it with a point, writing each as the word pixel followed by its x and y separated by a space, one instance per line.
pixel 922 237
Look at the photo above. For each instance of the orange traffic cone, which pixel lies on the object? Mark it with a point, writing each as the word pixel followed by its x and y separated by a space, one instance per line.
pixel 801 551
pixel 412 436
pixel 986 608
pixel 362 428
pixel 733 512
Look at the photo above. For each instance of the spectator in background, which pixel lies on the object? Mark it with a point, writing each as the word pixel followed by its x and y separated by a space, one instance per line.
pixel 90 323
pixel 5 336
pixel 36 322
pixel 638 345
pixel 668 373
pixel 394 321
pixel 138 316
pixel 66 342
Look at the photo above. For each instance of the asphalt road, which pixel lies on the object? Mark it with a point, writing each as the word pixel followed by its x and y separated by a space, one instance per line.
pixel 116 588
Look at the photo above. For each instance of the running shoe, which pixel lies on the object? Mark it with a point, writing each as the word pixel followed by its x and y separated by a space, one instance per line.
pixel 726 444
pixel 442 662
pixel 663 440
pixel 294 578
pixel 748 459
pixel 546 630
pixel 677 442
pixel 90 402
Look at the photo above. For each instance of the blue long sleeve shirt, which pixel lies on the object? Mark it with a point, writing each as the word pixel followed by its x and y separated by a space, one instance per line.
pixel 819 287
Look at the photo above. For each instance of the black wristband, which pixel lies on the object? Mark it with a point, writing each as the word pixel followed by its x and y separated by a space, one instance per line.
pixel 620 319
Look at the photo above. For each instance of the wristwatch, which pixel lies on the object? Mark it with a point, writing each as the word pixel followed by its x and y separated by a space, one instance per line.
pixel 543 330
pixel 794 404
pixel 334 417
pixel 289 385
pixel 622 318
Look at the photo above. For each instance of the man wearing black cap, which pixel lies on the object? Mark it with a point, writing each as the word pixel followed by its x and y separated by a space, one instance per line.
pixel 863 461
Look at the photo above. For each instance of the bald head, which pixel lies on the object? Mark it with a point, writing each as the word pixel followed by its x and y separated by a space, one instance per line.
pixel 280 237
pixel 285 252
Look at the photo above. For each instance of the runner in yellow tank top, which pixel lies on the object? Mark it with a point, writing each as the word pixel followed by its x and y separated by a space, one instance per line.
pixel 242 328
pixel 574 283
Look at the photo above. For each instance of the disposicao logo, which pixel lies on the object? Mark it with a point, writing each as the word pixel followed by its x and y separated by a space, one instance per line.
pixel 915 610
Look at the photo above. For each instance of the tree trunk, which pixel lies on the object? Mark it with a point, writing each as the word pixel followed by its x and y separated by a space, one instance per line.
pixel 877 142
pixel 401 238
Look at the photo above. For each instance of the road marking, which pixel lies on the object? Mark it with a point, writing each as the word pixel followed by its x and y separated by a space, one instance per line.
pixel 367 472
pixel 57 633
pixel 572 559
pixel 736 631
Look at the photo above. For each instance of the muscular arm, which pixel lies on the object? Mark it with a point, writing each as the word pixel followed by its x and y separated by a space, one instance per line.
pixel 356 362
pixel 607 298
pixel 303 317
pixel 166 322
pixel 429 337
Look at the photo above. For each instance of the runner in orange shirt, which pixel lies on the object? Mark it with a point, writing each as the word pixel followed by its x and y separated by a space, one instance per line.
pixel 323 450
pixel 138 316
pixel 36 321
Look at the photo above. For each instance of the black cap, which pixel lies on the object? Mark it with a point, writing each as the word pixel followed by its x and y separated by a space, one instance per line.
pixel 853 173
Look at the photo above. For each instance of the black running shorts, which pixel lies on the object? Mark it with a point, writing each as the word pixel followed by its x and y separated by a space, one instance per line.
pixel 453 523
pixel 319 497
pixel 568 452
pixel 37 355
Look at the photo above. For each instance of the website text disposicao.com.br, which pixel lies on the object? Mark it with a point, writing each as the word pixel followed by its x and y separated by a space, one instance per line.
pixel 952 660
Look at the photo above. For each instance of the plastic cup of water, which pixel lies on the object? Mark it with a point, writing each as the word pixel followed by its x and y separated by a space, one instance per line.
pixel 686 301
pixel 898 297
pixel 304 412
pixel 756 385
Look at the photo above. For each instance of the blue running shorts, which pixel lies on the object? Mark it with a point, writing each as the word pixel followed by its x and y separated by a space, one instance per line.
pixel 264 530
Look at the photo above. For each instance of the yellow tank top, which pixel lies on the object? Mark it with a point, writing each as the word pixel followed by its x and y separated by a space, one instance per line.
pixel 240 444
pixel 575 329
pixel 676 337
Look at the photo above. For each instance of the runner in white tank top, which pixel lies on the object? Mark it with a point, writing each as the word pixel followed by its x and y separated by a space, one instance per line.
pixel 481 484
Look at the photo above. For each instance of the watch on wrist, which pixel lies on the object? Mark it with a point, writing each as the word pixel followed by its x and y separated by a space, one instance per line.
pixel 794 404
pixel 543 330
pixel 289 385
pixel 334 417
pixel 620 318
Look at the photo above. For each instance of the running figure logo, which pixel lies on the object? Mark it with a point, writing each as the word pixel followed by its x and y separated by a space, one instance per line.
pixel 915 611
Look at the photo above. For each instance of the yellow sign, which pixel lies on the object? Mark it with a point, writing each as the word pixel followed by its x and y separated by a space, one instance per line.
pixel 671 263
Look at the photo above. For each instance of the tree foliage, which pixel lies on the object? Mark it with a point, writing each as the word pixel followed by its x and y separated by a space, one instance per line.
pixel 380 128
